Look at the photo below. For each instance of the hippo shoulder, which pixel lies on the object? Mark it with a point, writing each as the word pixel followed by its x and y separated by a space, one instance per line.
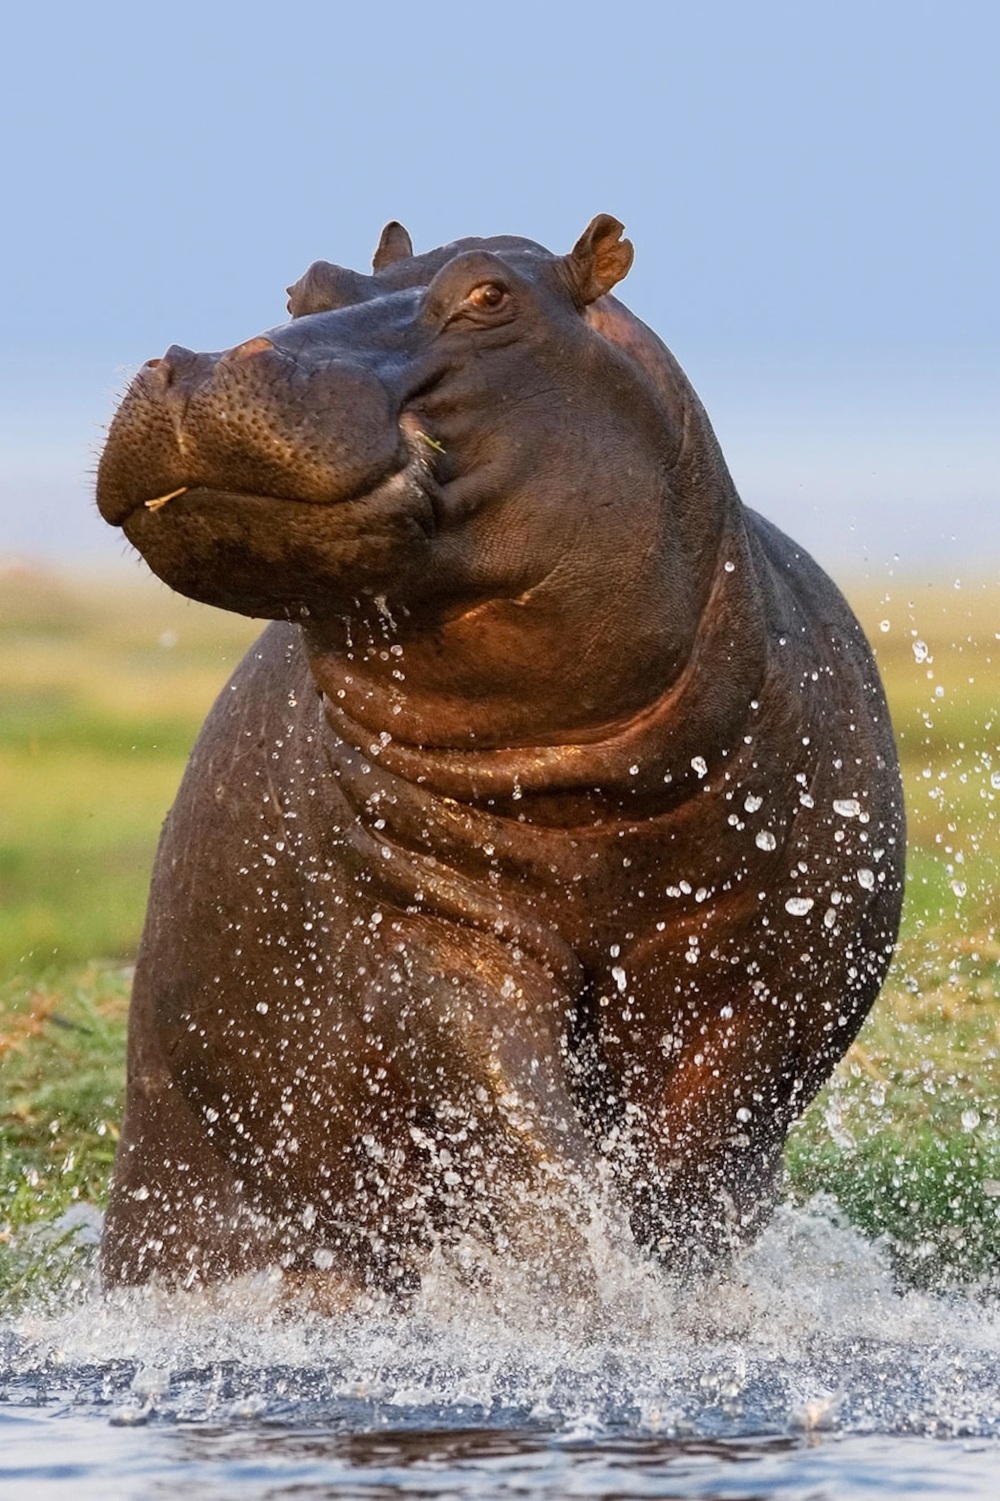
pixel 798 580
pixel 247 720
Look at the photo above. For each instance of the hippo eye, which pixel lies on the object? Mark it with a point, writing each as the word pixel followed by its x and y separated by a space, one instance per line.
pixel 487 297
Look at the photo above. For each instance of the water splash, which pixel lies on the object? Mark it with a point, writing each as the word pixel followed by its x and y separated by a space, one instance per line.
pixel 808 1333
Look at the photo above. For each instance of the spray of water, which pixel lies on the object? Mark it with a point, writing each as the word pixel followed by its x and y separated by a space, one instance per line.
pixel 808 1332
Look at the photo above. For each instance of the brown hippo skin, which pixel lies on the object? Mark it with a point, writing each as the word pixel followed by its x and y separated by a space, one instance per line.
pixel 545 851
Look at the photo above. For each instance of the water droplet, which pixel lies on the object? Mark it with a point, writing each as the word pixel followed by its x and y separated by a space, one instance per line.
pixel 729 565
pixel 751 802
pixel 847 807
pixel 883 625
pixel 700 765
pixel 970 1119
pixel 959 888
pixel 921 652
pixel 866 878
pixel 620 978
pixel 798 906
pixel 765 840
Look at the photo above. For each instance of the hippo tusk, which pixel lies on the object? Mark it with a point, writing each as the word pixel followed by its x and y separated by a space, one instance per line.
pixel 154 505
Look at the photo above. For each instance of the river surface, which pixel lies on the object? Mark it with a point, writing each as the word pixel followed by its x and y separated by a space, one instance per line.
pixel 808 1374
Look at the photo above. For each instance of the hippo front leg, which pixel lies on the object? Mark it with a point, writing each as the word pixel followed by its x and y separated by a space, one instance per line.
pixel 697 1148
pixel 426 1105
pixel 178 1210
pixel 480 1119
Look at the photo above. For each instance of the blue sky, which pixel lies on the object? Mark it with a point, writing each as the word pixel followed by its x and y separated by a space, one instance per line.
pixel 811 190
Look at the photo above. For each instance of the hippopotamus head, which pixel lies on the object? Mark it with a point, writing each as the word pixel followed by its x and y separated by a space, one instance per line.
pixel 428 434
pixel 481 434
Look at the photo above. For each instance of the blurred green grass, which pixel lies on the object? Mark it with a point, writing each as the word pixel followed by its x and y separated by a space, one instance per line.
pixel 103 687
pixel 102 690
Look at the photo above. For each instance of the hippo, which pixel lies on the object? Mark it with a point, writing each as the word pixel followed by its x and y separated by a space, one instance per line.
pixel 545 851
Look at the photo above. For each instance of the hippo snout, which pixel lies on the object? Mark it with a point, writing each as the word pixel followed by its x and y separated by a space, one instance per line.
pixel 178 368
pixel 253 420
pixel 277 477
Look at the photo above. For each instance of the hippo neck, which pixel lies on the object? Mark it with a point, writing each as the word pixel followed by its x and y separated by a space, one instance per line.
pixel 506 826
pixel 655 755
pixel 575 661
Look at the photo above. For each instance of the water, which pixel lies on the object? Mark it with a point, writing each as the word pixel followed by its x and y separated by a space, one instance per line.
pixel 807 1374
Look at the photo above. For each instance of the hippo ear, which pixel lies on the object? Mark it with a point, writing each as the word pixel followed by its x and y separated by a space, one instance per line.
pixel 599 259
pixel 325 287
pixel 394 245
pixel 315 291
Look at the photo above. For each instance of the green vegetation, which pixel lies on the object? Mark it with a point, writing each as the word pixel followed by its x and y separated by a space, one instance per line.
pixel 62 1053
pixel 102 690
pixel 907 1135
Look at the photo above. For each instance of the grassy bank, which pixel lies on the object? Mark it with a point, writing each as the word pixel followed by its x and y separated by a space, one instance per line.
pixel 102 690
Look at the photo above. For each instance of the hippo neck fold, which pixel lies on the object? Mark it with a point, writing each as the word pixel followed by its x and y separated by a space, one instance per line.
pixel 655 753
pixel 523 841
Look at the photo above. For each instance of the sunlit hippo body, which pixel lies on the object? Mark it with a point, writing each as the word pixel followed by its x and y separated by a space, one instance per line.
pixel 547 846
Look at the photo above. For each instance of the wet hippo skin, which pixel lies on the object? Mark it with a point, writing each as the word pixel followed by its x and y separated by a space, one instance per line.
pixel 545 851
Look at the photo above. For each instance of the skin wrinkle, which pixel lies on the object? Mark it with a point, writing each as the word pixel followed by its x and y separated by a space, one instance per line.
pixel 621 735
pixel 489 833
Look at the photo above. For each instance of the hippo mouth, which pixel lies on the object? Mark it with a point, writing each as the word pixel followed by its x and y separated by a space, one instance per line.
pixel 281 556
pixel 198 496
pixel 411 466
pixel 411 458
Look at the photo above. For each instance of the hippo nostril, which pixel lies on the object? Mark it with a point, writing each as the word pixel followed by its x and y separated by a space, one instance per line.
pixel 158 374
pixel 181 368
pixel 178 362
pixel 258 345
